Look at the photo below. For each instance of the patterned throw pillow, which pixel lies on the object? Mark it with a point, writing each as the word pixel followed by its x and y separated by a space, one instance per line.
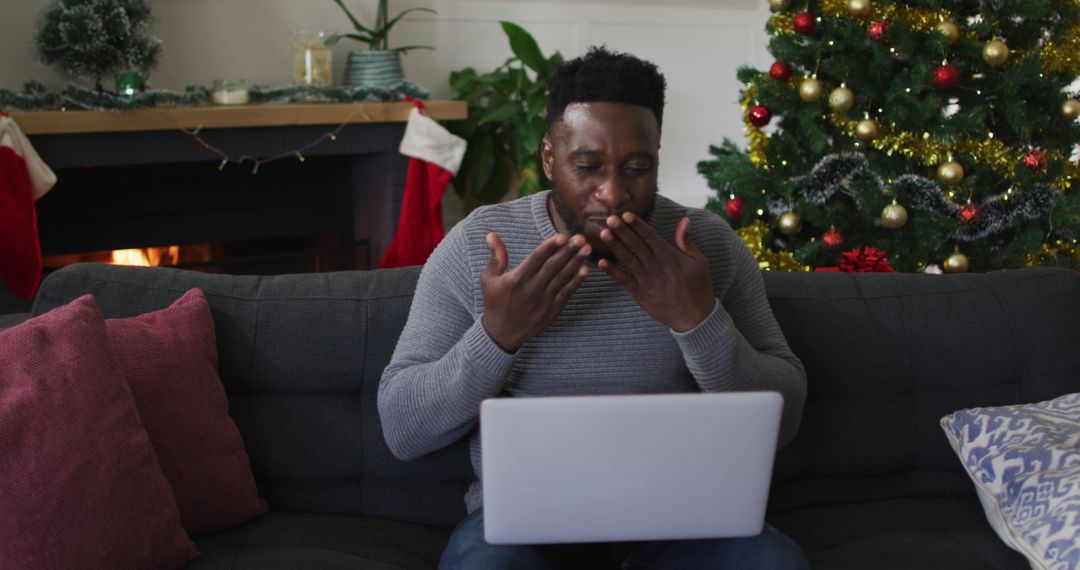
pixel 1025 462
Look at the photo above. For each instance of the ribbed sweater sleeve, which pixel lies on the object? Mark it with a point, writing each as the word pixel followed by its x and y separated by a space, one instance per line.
pixel 445 364
pixel 739 346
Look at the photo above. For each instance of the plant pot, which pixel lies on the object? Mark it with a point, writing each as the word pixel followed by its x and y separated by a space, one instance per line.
pixel 373 69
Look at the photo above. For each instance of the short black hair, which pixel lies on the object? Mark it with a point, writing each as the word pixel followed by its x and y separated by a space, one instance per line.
pixel 605 76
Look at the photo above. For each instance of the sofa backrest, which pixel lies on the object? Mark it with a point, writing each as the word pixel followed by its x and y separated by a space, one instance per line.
pixel 887 355
pixel 300 358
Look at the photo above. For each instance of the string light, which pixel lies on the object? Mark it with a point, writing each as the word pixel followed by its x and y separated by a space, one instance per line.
pixel 256 162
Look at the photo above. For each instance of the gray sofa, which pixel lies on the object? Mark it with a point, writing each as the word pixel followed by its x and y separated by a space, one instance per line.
pixel 870 481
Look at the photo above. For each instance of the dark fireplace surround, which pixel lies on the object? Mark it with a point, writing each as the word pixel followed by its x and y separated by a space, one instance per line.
pixel 337 209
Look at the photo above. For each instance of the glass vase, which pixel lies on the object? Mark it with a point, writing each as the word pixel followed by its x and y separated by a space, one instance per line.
pixel 312 64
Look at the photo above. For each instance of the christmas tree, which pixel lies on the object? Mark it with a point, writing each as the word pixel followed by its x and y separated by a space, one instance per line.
pixel 97 38
pixel 943 132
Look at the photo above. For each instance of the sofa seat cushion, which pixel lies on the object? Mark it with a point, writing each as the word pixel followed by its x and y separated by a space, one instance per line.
pixel 295 540
pixel 928 532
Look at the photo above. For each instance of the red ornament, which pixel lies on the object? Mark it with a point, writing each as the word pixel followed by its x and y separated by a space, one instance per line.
pixel 780 71
pixel 833 240
pixel 804 23
pixel 971 215
pixel 759 115
pixel 946 76
pixel 734 207
pixel 1035 160
pixel 876 30
pixel 866 260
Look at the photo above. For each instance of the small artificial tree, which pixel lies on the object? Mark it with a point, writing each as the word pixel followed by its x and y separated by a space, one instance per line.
pixel 97 38
pixel 941 131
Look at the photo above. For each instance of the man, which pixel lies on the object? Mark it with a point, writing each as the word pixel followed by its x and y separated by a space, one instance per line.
pixel 598 286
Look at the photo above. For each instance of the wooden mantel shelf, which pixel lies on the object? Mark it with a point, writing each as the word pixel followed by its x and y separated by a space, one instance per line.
pixel 65 122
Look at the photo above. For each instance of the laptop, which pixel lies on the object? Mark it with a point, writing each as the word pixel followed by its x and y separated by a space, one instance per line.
pixel 628 467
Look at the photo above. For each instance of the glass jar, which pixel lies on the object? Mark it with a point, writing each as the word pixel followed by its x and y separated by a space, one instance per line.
pixel 229 92
pixel 311 58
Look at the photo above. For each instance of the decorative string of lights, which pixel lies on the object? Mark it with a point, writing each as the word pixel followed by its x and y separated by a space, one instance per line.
pixel 227 158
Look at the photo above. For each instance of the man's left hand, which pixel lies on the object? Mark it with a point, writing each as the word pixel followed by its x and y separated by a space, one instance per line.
pixel 670 282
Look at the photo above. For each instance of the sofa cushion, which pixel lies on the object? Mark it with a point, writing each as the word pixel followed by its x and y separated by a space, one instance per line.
pixel 170 361
pixel 81 486
pixel 948 533
pixel 293 540
pixel 301 357
pixel 1025 463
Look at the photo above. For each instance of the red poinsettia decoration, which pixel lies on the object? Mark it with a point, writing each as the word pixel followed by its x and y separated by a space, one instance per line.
pixel 865 260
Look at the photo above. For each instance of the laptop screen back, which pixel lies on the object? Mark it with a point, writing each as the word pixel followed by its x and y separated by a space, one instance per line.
pixel 623 468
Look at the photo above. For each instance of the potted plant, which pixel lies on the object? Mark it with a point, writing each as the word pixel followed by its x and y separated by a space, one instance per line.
pixel 505 123
pixel 380 65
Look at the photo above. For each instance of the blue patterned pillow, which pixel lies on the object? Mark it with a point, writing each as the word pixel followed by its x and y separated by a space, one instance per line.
pixel 1025 462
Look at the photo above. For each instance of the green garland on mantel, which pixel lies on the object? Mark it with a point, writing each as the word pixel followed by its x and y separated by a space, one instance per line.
pixel 34 97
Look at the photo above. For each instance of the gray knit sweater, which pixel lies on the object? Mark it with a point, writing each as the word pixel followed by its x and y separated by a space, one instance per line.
pixel 445 363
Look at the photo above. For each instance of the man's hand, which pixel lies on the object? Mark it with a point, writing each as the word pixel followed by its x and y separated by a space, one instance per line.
pixel 671 283
pixel 519 304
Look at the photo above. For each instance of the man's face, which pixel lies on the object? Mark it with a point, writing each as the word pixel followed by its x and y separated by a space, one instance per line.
pixel 602 159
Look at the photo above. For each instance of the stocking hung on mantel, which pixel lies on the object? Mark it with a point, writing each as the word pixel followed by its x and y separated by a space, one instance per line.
pixel 434 157
pixel 24 178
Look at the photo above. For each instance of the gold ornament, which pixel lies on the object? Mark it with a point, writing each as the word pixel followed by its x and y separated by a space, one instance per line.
pixel 950 31
pixel 790 223
pixel 956 263
pixel 894 216
pixel 779 5
pixel 810 89
pixel 841 99
pixel 1070 110
pixel 859 8
pixel 950 173
pixel 995 52
pixel 866 130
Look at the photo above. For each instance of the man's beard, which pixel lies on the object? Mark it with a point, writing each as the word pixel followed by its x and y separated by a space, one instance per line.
pixel 576 225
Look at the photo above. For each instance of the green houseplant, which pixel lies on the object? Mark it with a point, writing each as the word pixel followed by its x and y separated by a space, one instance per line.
pixel 379 64
pixel 506 122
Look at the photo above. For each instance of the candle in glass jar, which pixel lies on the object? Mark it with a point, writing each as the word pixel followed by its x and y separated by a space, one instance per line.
pixel 230 92
pixel 311 58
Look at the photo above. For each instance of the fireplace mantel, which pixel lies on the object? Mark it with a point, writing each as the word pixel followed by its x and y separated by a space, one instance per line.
pixel 352 185
pixel 216 117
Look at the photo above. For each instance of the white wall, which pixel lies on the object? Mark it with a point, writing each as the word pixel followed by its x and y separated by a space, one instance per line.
pixel 698 44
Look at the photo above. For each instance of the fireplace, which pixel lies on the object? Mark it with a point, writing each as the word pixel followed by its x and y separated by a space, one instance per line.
pixel 291 217
pixel 161 193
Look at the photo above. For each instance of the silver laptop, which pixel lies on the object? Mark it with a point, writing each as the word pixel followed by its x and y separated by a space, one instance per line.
pixel 627 468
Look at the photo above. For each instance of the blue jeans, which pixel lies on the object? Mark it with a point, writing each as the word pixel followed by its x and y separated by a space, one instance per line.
pixel 770 550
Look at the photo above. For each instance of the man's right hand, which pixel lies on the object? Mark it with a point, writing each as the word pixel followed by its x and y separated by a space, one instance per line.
pixel 519 304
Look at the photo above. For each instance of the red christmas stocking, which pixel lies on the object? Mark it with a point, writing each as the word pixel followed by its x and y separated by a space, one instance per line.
pixel 435 155
pixel 23 179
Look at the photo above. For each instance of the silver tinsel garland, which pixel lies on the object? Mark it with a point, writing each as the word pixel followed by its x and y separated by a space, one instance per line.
pixel 836 173
pixel 34 97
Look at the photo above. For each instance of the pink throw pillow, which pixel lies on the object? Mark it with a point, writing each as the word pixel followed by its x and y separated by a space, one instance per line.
pixel 80 486
pixel 169 358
